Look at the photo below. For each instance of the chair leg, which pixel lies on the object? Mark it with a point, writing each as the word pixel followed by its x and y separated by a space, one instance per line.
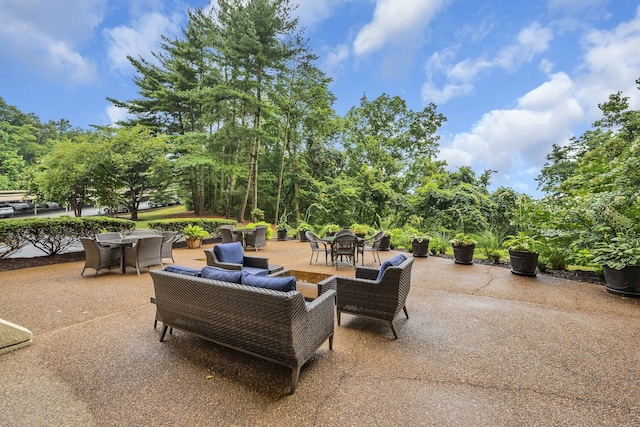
pixel 295 373
pixel 339 313
pixel 164 331
pixel 406 313
pixel 393 329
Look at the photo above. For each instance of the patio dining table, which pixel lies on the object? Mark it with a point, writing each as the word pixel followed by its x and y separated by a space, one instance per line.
pixel 243 232
pixel 125 242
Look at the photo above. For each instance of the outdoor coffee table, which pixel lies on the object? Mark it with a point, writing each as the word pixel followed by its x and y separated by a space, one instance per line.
pixel 311 284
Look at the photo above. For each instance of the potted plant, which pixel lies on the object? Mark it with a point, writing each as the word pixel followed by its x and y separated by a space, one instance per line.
pixel 523 253
pixel 463 247
pixel 420 244
pixel 282 229
pixel 330 229
pixel 194 235
pixel 303 227
pixel 620 260
pixel 385 242
pixel 257 214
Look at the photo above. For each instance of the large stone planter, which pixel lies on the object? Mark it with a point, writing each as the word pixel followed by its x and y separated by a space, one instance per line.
pixel 523 263
pixel 623 282
pixel 385 243
pixel 463 254
pixel 420 249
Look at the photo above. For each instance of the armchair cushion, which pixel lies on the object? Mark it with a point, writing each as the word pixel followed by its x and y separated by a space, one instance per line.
pixel 221 274
pixel 395 261
pixel 183 270
pixel 287 283
pixel 229 252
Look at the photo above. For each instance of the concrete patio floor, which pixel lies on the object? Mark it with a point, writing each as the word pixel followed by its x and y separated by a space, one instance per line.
pixel 482 347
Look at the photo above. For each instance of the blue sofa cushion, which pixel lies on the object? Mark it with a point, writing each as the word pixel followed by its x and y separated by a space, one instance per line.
pixel 215 273
pixel 182 270
pixel 256 271
pixel 278 283
pixel 229 252
pixel 395 261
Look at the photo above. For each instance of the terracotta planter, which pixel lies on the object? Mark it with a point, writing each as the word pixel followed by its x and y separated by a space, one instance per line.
pixel 523 263
pixel 420 249
pixel 623 282
pixel 463 254
pixel 193 243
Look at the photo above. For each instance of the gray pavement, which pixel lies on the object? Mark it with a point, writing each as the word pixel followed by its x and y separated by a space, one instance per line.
pixel 482 347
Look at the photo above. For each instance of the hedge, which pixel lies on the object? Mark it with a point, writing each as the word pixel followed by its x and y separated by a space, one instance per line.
pixel 212 225
pixel 55 235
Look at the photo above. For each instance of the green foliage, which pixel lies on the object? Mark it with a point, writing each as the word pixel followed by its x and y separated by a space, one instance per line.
pixel 522 242
pixel 329 229
pixel 362 229
pixel 462 239
pixel 439 242
pixel 257 214
pixel 618 253
pixel 194 232
pixel 54 235
pixel 283 225
pixel 211 225
pixel 490 244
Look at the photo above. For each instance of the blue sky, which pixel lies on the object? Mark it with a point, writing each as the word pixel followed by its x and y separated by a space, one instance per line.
pixel 512 77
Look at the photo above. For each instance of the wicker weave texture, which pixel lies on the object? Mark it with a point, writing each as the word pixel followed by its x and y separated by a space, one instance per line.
pixel 381 300
pixel 277 326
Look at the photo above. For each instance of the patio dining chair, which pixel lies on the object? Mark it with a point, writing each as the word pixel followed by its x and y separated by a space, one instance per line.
pixel 371 245
pixel 168 238
pixel 98 256
pixel 227 234
pixel 317 246
pixel 146 252
pixel 344 247
pixel 258 238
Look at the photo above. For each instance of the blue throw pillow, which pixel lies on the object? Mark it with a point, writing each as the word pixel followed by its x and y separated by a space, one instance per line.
pixel 182 270
pixel 395 261
pixel 215 273
pixel 278 283
pixel 229 252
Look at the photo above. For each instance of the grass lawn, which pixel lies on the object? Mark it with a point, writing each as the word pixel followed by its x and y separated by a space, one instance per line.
pixel 155 214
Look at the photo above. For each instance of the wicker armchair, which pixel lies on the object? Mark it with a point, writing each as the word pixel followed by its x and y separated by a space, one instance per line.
pixel 250 264
pixel 146 252
pixel 378 298
pixel 98 256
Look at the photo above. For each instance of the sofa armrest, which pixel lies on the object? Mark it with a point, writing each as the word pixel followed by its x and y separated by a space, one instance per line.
pixel 367 273
pixel 328 284
pixel 316 327
pixel 256 262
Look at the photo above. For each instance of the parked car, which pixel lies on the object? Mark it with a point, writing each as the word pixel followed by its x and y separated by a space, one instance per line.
pixel 19 206
pixel 108 210
pixel 6 211
pixel 160 203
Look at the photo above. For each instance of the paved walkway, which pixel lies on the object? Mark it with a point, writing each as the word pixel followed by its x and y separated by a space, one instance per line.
pixel 483 347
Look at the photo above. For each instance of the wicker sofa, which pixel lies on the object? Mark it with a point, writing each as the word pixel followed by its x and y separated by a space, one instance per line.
pixel 376 293
pixel 274 325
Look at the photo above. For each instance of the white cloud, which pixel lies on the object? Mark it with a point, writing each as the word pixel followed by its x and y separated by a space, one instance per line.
pixel 312 12
pixel 611 64
pixel 335 57
pixel 46 35
pixel 139 39
pixel 394 21
pixel 523 135
pixel 116 114
pixel 531 41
